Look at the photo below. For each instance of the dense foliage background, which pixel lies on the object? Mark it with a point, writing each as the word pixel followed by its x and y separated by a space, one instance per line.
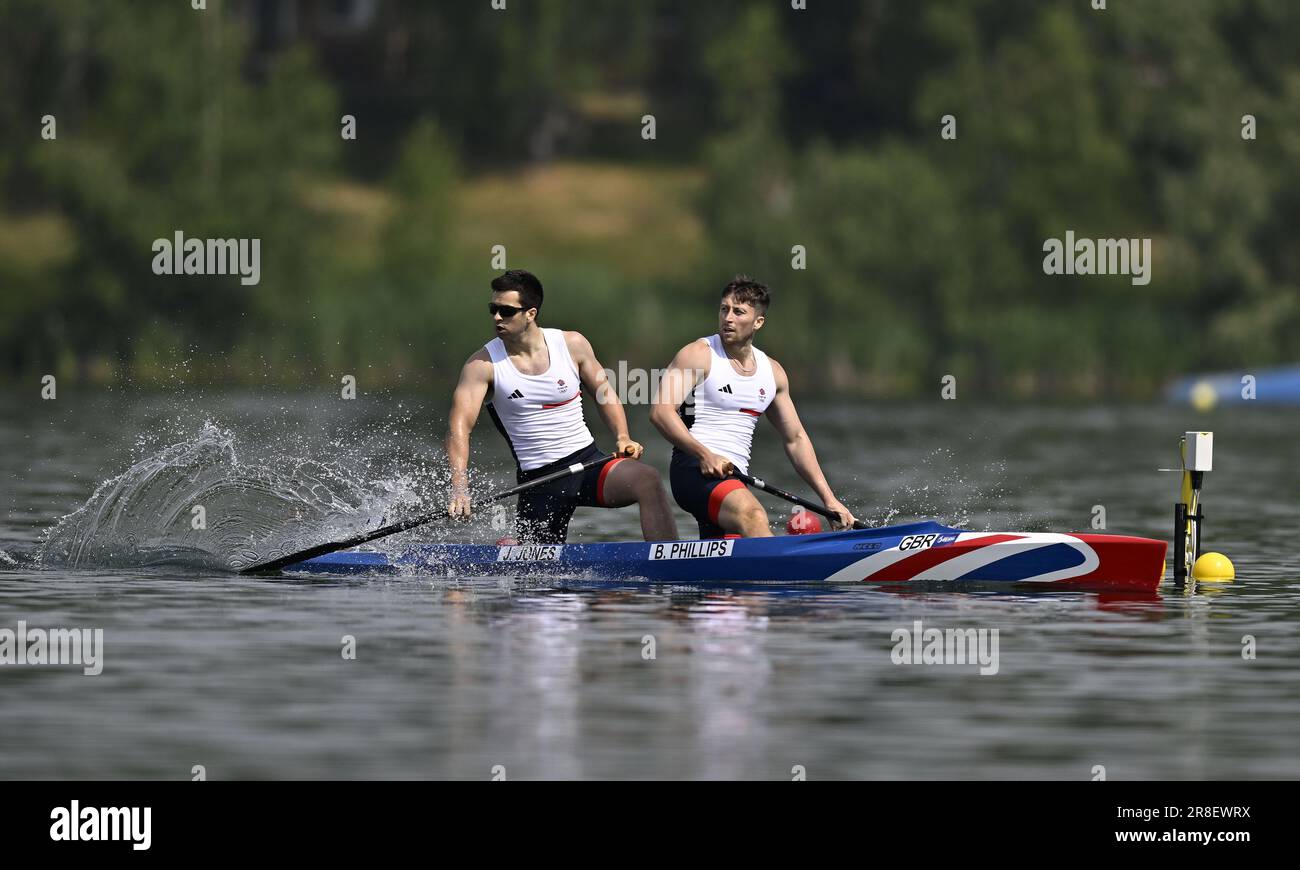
pixel 774 127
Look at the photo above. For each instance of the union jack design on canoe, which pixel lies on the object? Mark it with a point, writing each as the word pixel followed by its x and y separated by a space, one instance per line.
pixel 916 552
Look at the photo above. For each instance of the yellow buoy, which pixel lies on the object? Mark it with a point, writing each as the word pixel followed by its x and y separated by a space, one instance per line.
pixel 1213 568
pixel 1204 397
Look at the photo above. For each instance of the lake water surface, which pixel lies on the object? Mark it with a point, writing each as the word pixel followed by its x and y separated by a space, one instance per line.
pixel 461 678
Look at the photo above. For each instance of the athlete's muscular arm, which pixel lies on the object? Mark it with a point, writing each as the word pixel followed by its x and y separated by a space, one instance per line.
pixel 799 447
pixel 685 371
pixel 594 379
pixel 475 380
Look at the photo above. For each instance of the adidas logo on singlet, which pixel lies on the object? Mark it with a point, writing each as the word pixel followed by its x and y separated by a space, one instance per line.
pixel 516 395
pixel 726 389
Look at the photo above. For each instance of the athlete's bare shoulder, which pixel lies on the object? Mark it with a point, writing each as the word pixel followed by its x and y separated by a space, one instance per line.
pixel 778 375
pixel 694 355
pixel 579 348
pixel 478 367
pixel 576 341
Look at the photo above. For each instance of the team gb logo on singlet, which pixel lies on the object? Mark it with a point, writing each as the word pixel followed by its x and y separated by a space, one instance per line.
pixel 762 392
pixel 562 385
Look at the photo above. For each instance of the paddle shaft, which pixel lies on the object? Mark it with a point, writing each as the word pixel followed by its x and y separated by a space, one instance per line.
pixel 759 483
pixel 412 522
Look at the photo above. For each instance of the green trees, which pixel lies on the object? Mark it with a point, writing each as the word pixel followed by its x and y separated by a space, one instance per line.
pixel 159 130
pixel 806 147
pixel 1125 124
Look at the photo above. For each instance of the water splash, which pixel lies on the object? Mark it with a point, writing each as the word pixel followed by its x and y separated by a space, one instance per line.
pixel 196 503
pixel 957 495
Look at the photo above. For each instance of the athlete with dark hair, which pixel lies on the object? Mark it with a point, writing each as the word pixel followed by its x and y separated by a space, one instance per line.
pixel 532 379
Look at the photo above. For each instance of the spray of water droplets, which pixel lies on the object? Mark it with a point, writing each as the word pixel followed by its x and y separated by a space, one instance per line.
pixel 221 500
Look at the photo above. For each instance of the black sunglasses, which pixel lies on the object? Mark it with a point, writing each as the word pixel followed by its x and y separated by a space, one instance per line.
pixel 506 311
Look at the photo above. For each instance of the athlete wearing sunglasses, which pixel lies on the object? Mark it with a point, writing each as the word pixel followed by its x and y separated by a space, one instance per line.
pixel 532 380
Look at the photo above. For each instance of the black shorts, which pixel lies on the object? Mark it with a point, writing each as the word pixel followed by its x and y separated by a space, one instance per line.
pixel 542 514
pixel 699 496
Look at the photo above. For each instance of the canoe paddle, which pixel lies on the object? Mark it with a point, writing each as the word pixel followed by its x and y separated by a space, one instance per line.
pixel 759 483
pixel 412 522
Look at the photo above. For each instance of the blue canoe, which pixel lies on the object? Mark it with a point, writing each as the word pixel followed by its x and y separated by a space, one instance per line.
pixel 923 551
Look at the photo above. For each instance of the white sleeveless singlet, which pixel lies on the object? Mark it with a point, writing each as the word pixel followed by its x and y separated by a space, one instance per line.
pixel 728 405
pixel 539 415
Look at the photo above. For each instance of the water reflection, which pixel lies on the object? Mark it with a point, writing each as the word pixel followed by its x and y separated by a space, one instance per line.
pixel 549 679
